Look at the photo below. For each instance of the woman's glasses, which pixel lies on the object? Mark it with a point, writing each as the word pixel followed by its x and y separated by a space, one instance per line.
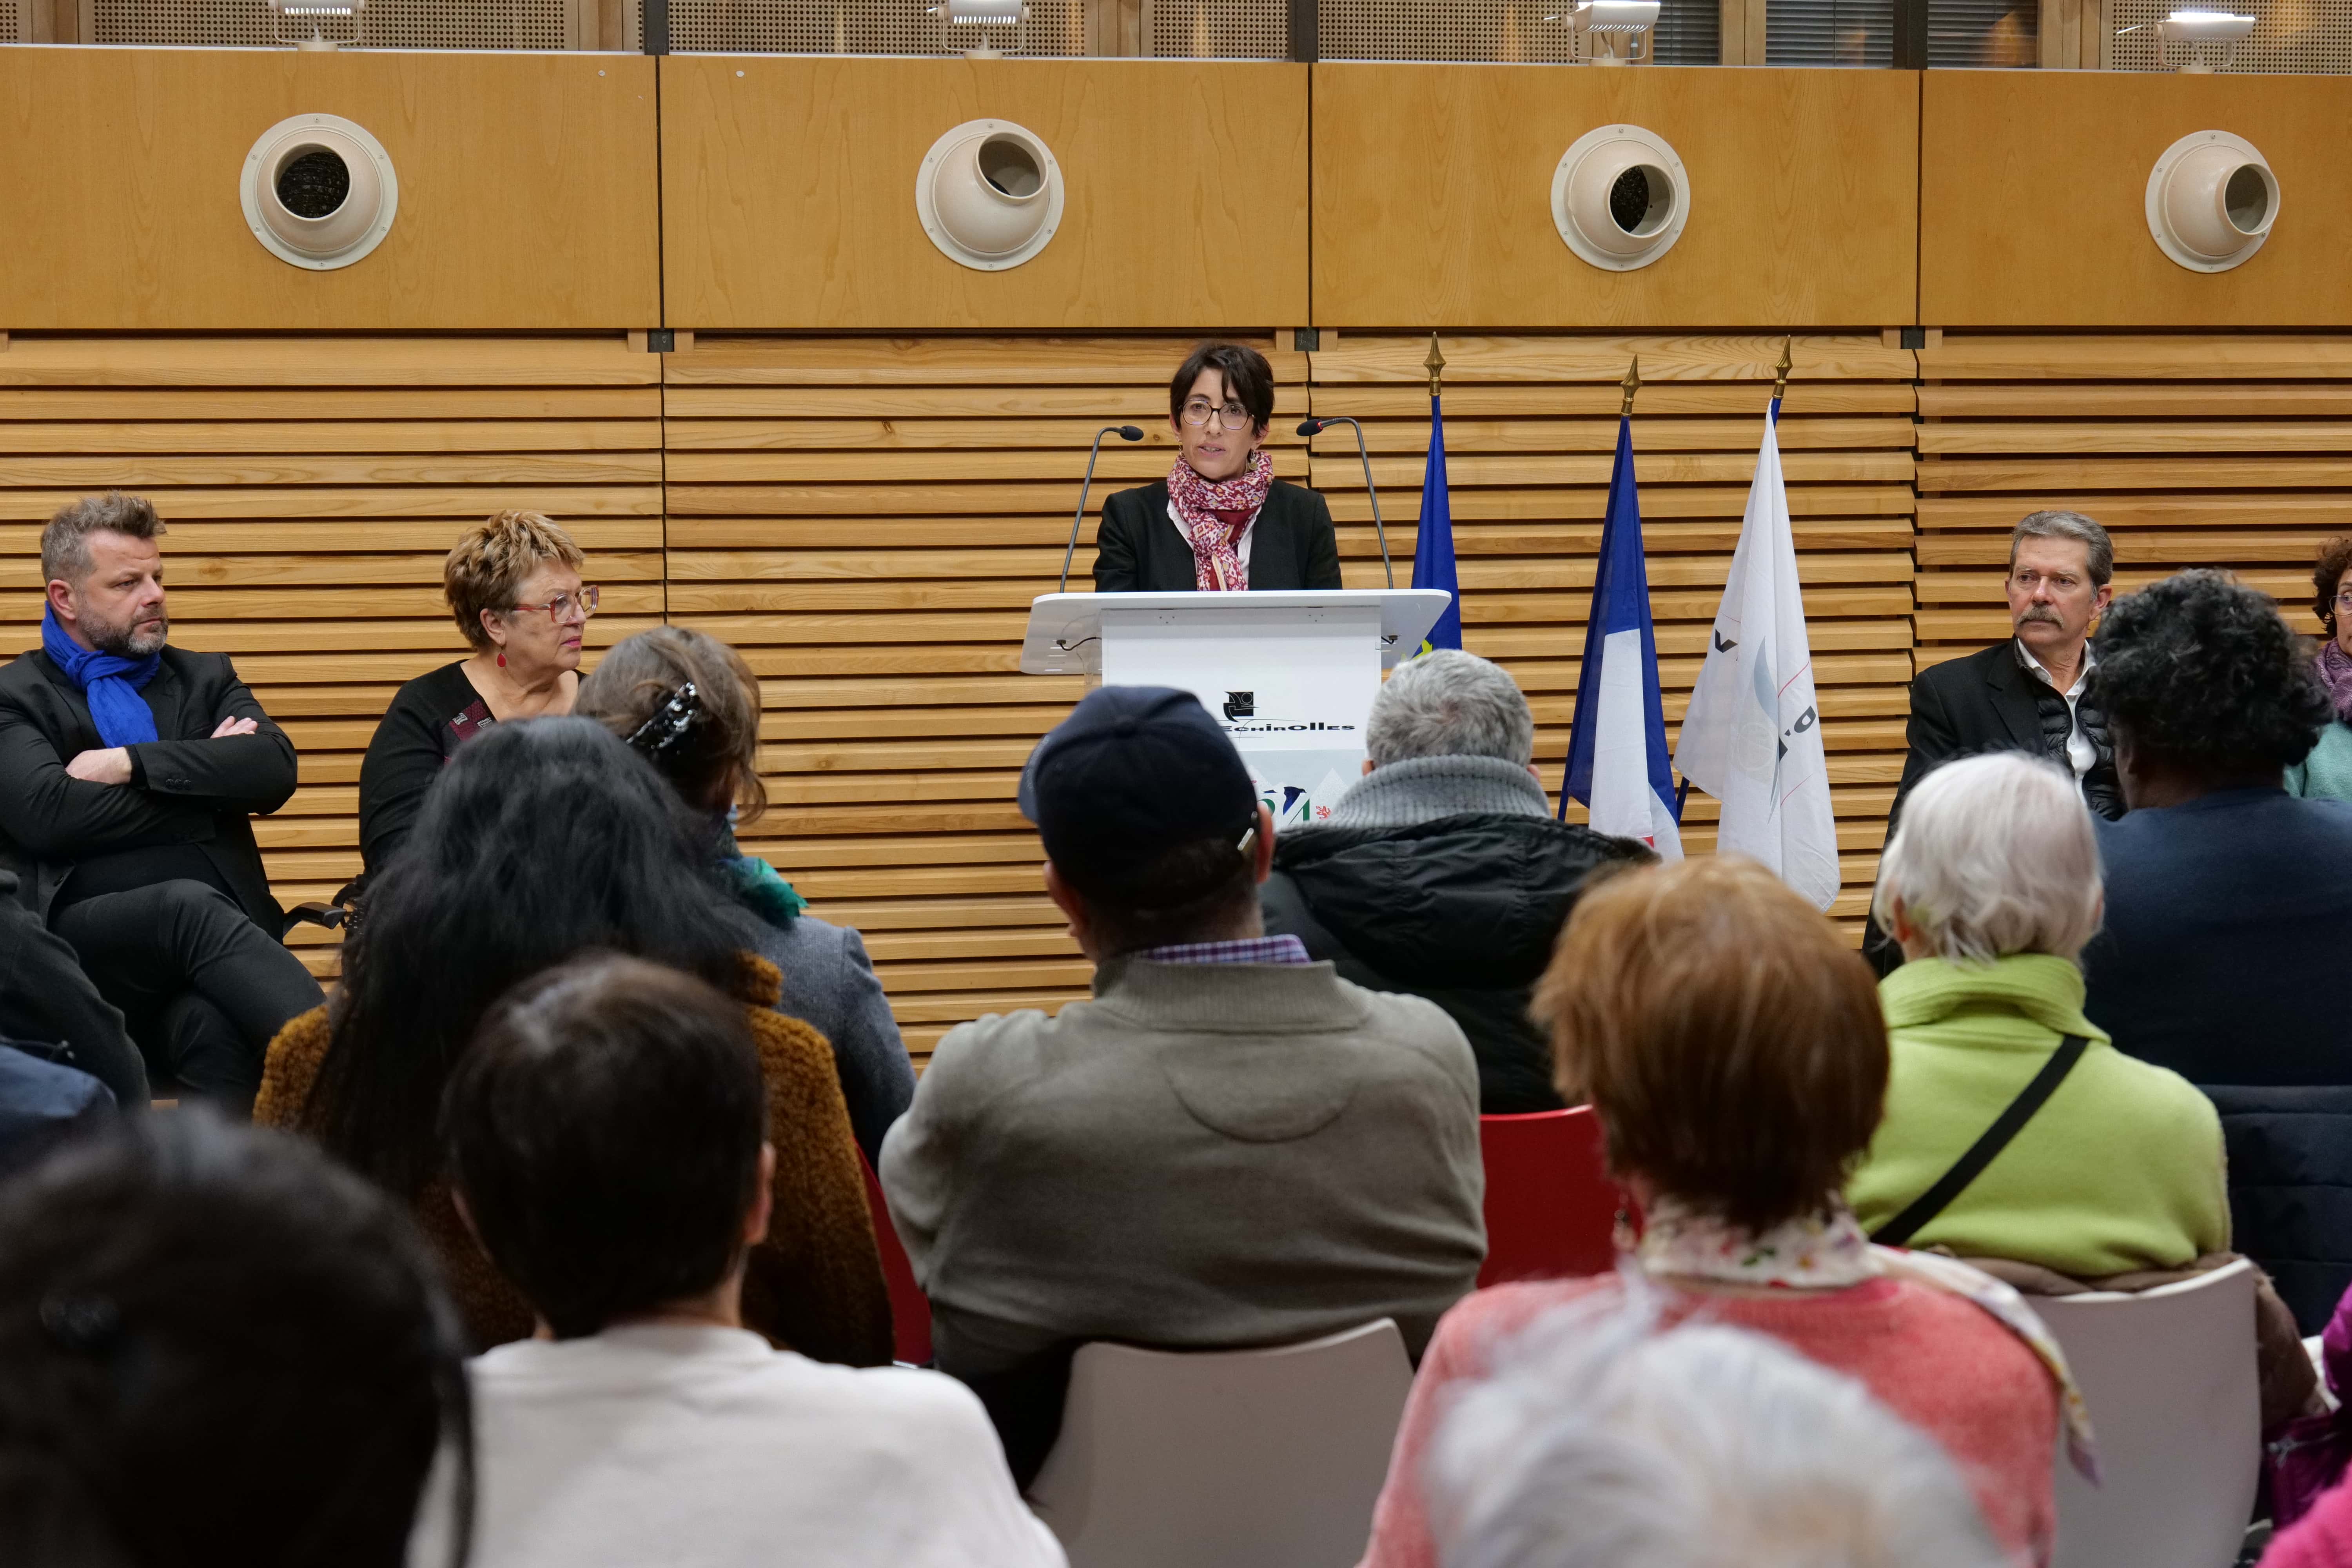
pixel 559 609
pixel 1230 416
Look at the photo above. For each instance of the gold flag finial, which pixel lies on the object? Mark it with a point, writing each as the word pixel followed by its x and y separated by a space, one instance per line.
pixel 1435 363
pixel 1781 382
pixel 1632 383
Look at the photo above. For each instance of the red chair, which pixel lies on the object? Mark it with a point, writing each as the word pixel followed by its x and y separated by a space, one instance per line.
pixel 910 1310
pixel 1551 1209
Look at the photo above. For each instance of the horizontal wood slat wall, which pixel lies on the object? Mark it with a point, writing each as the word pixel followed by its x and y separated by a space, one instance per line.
pixel 1530 426
pixel 2190 451
pixel 311 487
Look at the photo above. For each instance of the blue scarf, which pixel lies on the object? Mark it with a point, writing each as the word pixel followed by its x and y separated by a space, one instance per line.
pixel 111 684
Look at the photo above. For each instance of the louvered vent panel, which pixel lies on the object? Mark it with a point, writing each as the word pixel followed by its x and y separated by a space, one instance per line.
pixel 1220 29
pixel 390 24
pixel 1829 33
pixel 1054 28
pixel 1501 30
pixel 2289 37
pixel 1995 33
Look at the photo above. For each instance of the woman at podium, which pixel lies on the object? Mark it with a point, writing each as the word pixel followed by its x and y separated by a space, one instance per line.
pixel 1220 522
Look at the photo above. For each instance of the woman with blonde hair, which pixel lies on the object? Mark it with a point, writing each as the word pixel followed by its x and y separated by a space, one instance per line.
pixel 1729 1042
pixel 514 587
pixel 689 705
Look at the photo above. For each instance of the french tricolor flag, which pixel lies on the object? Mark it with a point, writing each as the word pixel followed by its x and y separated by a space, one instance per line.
pixel 1617 762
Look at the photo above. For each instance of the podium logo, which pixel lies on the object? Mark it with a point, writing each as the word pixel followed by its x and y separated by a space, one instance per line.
pixel 1240 704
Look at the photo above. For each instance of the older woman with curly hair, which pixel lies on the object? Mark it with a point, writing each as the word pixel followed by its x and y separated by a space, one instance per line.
pixel 2229 910
pixel 514 587
pixel 2328 772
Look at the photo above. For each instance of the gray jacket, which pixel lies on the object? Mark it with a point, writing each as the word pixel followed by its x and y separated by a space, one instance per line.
pixel 829 983
pixel 1204 1156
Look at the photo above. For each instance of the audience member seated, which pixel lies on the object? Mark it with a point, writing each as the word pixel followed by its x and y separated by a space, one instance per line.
pixel 1991 886
pixel 688 704
pixel 1229 1146
pixel 1600 1441
pixel 539 842
pixel 2326 773
pixel 608 1138
pixel 45 1103
pixel 1442 872
pixel 129 772
pixel 2229 907
pixel 513 587
pixel 1732 1047
pixel 217 1347
pixel 48 1005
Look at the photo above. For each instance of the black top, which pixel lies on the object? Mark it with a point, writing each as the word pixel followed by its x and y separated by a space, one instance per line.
pixel 187 790
pixel 2228 922
pixel 1138 551
pixel 1462 909
pixel 422 727
pixel 1990 702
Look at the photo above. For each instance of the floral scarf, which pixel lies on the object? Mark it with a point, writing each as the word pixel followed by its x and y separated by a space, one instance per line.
pixel 1215 514
pixel 2336 674
pixel 1830 1251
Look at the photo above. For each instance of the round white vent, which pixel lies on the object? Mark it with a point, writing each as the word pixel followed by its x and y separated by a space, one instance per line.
pixel 990 194
pixel 2211 200
pixel 1620 197
pixel 318 191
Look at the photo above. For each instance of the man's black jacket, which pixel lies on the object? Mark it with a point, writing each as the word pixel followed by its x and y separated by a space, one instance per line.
pixel 1463 910
pixel 187 787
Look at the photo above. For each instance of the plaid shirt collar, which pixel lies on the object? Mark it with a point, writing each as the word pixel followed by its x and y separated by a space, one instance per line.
pixel 1285 948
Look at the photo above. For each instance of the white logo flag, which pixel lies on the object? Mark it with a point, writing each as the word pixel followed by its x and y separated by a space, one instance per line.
pixel 1752 737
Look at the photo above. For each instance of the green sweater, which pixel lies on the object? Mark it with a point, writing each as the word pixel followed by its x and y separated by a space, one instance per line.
pixel 2327 773
pixel 2121 1169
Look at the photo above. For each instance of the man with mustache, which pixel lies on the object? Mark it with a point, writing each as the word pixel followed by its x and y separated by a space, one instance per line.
pixel 128 771
pixel 2033 691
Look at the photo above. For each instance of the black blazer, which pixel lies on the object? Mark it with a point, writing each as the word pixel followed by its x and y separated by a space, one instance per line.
pixel 1138 551
pixel 186 788
pixel 1984 702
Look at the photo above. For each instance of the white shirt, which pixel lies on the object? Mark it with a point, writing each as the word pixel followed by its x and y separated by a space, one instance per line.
pixel 2080 751
pixel 677 1446
pixel 1241 545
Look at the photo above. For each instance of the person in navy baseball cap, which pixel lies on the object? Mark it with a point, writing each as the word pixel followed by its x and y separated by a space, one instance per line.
pixel 1148 815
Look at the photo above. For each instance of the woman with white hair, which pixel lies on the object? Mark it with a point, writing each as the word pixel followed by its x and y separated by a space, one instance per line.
pixel 1991 887
pixel 1602 1442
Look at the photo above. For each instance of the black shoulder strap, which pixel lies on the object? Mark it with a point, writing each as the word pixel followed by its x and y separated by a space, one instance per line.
pixel 1997 1137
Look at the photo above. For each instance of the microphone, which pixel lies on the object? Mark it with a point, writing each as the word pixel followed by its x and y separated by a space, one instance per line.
pixel 1125 433
pixel 1316 427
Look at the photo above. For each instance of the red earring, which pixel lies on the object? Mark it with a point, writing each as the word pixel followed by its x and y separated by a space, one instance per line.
pixel 502 661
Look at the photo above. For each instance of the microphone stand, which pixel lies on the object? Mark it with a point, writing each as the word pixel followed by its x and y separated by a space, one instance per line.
pixel 1125 433
pixel 1311 427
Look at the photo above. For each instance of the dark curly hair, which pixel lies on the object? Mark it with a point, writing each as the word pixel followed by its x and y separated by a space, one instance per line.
pixel 2201 668
pixel 2334 557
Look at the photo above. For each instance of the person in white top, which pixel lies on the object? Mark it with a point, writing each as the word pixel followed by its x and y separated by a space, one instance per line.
pixel 609 1146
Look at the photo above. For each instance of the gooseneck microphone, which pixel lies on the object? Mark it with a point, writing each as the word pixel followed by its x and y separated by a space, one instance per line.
pixel 1125 433
pixel 1316 427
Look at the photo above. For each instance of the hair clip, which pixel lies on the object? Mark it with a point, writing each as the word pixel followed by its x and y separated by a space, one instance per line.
pixel 661 735
pixel 83 1323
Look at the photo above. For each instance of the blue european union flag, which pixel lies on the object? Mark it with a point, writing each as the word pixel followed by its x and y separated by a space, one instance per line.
pixel 1433 551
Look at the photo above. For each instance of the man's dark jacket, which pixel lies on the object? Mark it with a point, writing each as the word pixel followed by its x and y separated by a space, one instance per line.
pixel 1990 702
pixel 1138 551
pixel 1462 909
pixel 2222 957
pixel 186 788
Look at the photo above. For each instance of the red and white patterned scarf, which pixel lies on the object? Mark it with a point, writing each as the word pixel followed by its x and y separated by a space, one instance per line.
pixel 1216 514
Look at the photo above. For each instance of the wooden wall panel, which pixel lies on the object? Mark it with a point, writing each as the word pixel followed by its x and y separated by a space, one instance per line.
pixel 1530 426
pixel 2233 452
pixel 1432 187
pixel 789 189
pixel 2033 189
pixel 527 190
pixel 312 487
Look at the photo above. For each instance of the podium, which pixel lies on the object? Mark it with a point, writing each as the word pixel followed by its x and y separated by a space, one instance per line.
pixel 1290 676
